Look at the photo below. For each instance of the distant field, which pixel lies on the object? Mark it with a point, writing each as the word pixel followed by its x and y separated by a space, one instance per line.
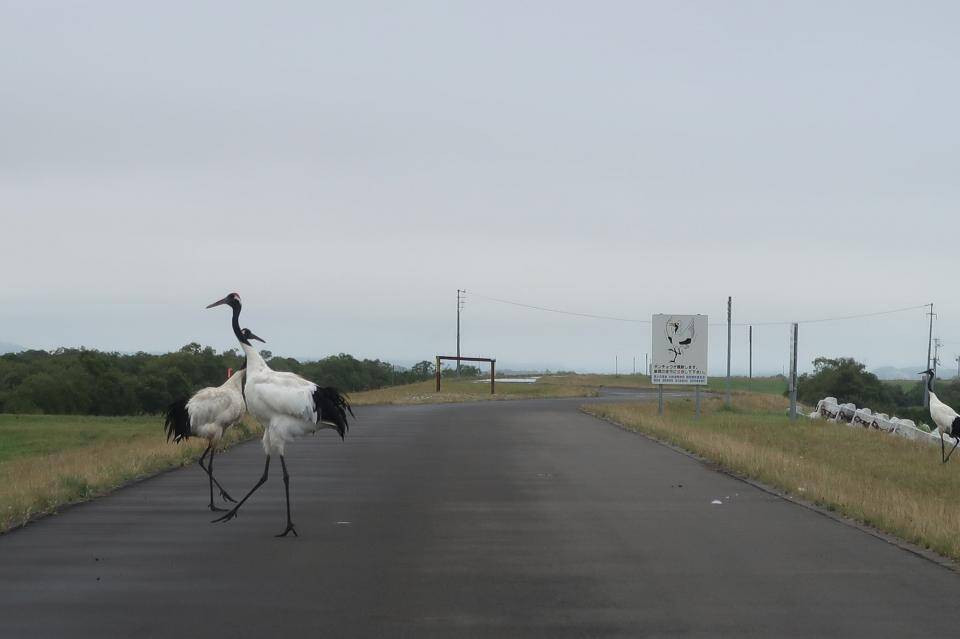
pixel 774 385
pixel 888 482
pixel 50 460
pixel 468 390
pixel 453 390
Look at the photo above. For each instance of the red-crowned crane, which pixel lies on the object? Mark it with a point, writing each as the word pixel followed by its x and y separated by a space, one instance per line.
pixel 946 419
pixel 286 405
pixel 208 414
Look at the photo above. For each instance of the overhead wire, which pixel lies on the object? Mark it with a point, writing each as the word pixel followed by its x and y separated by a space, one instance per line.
pixel 642 321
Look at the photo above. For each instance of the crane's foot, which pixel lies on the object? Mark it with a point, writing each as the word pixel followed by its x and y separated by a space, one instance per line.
pixel 226 496
pixel 289 529
pixel 230 515
pixel 217 509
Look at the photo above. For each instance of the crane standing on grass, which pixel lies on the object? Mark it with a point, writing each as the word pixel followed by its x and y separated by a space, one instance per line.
pixel 208 414
pixel 946 419
pixel 286 405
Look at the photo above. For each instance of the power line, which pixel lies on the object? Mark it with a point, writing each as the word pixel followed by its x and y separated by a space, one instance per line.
pixel 555 310
pixel 640 321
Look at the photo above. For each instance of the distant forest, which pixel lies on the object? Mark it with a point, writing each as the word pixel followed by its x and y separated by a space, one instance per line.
pixel 90 382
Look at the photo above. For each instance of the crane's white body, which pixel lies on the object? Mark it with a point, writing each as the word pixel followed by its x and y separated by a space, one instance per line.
pixel 943 416
pixel 283 403
pixel 214 409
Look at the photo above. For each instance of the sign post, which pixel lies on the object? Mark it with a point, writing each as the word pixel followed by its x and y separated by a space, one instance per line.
pixel 679 353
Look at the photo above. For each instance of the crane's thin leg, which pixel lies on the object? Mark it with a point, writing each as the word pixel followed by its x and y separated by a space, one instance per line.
pixel 223 491
pixel 263 479
pixel 955 443
pixel 208 471
pixel 210 474
pixel 213 480
pixel 286 488
pixel 943 453
pixel 202 457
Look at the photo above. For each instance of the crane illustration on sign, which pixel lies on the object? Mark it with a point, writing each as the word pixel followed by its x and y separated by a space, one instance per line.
pixel 679 349
pixel 680 334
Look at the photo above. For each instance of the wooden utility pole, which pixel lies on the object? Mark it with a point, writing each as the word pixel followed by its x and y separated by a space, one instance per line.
pixel 751 353
pixel 793 370
pixel 926 390
pixel 460 302
pixel 729 335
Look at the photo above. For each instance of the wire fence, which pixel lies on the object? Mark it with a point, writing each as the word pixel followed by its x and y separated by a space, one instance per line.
pixel 895 337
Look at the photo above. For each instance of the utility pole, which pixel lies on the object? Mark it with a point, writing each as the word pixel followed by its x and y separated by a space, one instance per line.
pixel 936 355
pixel 751 353
pixel 793 370
pixel 646 363
pixel 616 365
pixel 926 391
pixel 958 366
pixel 461 300
pixel 634 364
pixel 729 334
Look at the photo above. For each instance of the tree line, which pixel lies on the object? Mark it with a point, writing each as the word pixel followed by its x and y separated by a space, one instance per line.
pixel 71 381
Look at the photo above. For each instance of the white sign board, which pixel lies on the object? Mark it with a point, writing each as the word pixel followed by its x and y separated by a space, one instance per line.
pixel 679 349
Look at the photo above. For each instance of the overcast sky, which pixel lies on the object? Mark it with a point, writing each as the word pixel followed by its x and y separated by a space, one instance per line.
pixel 347 166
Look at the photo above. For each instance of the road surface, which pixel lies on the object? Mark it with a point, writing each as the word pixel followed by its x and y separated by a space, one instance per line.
pixel 499 519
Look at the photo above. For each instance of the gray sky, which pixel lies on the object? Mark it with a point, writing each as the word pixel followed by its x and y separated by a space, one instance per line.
pixel 327 160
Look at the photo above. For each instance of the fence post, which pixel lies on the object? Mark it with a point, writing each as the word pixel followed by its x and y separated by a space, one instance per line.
pixel 493 376
pixel 438 373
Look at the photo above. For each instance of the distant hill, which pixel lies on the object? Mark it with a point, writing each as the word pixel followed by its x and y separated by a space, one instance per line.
pixel 7 347
pixel 891 372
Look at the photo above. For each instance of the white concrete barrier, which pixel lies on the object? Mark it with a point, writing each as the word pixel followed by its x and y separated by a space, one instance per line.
pixel 829 408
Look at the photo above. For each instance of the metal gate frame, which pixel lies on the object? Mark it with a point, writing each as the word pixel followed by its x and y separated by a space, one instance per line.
pixel 493 368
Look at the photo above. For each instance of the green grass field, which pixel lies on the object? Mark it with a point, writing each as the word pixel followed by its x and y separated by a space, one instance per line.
pixel 29 435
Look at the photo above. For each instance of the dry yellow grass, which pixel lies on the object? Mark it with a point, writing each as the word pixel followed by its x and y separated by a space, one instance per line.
pixel 34 485
pixel 884 481
pixel 467 391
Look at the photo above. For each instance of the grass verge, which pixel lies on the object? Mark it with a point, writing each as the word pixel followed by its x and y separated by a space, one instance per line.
pixel 48 461
pixel 892 484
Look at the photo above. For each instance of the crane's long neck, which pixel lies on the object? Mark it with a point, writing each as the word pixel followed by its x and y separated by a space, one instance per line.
pixel 235 380
pixel 929 382
pixel 236 323
pixel 255 361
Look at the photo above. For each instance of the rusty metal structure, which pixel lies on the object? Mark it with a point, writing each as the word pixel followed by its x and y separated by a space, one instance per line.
pixel 458 359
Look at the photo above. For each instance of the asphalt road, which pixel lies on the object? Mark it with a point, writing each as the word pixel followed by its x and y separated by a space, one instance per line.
pixel 504 519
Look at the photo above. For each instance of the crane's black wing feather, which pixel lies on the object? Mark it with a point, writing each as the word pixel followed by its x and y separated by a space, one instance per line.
pixel 177 422
pixel 332 407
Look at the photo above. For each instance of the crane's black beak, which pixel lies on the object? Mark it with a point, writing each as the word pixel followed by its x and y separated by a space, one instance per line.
pixel 259 339
pixel 219 302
